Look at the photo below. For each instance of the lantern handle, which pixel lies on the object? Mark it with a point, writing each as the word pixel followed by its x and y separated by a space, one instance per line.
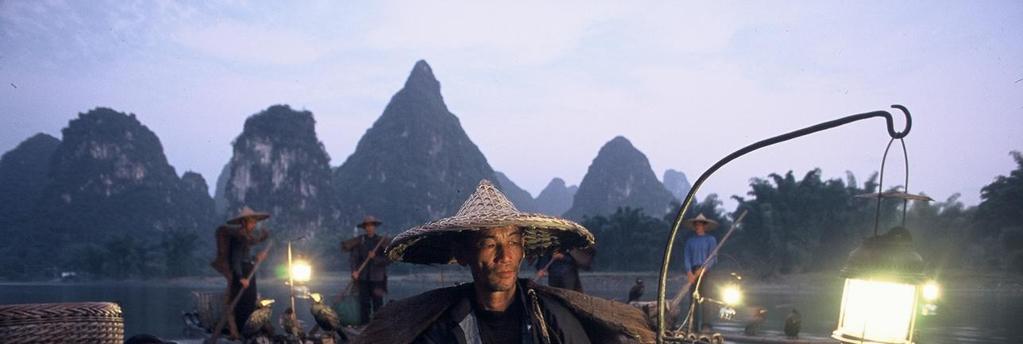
pixel 880 184
pixel 687 201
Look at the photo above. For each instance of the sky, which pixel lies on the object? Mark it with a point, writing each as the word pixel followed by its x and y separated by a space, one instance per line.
pixel 541 86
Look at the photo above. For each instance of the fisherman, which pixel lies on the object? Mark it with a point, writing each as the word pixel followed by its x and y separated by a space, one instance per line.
pixel 491 237
pixel 369 267
pixel 234 261
pixel 698 247
pixel 562 269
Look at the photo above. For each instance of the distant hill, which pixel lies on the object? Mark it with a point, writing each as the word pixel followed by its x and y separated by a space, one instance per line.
pixel 556 198
pixel 620 176
pixel 521 198
pixel 280 167
pixel 219 196
pixel 414 164
pixel 109 179
pixel 24 174
pixel 676 183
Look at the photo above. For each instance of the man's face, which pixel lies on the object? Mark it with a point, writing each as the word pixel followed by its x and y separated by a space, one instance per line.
pixel 700 227
pixel 494 256
pixel 248 223
pixel 370 228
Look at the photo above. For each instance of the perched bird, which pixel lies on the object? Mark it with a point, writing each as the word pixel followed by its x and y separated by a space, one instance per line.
pixel 325 316
pixel 793 322
pixel 758 318
pixel 260 322
pixel 637 291
pixel 292 327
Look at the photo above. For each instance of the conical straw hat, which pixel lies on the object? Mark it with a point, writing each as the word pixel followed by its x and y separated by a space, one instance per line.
pixel 434 242
pixel 248 212
pixel 711 224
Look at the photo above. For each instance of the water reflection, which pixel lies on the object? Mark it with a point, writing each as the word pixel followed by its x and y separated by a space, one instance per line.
pixel 965 317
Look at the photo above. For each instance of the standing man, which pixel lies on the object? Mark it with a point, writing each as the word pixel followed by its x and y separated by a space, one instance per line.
pixel 235 261
pixel 698 248
pixel 562 269
pixel 369 267
pixel 490 237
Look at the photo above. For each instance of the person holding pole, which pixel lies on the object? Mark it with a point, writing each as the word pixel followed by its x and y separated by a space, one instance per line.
pixel 369 267
pixel 234 260
pixel 698 249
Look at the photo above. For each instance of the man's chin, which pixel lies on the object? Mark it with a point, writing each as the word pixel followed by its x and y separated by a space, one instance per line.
pixel 501 285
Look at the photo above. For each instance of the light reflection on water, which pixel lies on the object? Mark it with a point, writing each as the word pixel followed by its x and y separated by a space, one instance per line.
pixel 156 309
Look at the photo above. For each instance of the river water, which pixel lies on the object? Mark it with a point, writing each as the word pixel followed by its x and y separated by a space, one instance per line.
pixel 972 316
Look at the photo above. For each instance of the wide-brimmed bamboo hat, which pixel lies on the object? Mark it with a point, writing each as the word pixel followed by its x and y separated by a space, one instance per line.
pixel 369 219
pixel 435 242
pixel 248 213
pixel 711 224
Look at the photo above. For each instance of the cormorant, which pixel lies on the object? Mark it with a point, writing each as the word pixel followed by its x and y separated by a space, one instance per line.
pixel 325 316
pixel 792 323
pixel 260 321
pixel 637 291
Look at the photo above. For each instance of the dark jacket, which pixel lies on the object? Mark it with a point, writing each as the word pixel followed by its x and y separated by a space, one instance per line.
pixel 440 316
pixel 376 268
pixel 564 273
pixel 240 248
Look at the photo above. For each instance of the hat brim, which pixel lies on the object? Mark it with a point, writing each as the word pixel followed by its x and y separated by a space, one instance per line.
pixel 257 216
pixel 437 242
pixel 375 223
pixel 711 224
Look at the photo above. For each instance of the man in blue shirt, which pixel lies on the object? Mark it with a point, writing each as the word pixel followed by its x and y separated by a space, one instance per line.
pixel 697 250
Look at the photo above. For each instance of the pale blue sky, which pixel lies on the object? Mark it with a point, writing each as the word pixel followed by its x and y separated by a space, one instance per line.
pixel 539 87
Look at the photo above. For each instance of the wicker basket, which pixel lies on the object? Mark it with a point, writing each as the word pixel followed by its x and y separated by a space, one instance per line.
pixel 209 305
pixel 86 322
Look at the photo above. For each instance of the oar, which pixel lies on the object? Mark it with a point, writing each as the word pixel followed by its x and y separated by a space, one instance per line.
pixel 238 297
pixel 359 270
pixel 539 273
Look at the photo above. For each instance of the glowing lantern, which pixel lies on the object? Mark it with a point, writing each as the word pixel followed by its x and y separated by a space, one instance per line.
pixel 301 271
pixel 883 288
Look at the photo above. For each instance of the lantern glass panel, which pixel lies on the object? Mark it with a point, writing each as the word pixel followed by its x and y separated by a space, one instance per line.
pixel 877 311
pixel 301 271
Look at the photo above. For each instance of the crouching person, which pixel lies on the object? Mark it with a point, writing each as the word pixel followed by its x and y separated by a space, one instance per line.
pixel 490 237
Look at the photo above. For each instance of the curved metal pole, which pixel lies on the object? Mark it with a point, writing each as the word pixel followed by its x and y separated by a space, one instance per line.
pixel 662 282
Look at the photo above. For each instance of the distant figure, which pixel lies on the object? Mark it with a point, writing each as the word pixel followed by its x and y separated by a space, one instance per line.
pixel 759 316
pixel 637 291
pixel 793 323
pixel 367 253
pixel 697 249
pixel 562 270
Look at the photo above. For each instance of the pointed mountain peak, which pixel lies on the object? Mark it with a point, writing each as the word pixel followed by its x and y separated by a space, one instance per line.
pixel 556 183
pixel 422 78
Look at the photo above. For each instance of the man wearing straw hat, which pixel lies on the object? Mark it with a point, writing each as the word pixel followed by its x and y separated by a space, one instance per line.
pixel 369 266
pixel 698 247
pixel 491 237
pixel 234 260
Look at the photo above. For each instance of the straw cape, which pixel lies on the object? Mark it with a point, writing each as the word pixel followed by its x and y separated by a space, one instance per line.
pixel 248 213
pixel 711 224
pixel 433 243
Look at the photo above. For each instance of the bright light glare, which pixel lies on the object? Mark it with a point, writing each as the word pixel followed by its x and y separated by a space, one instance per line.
pixel 931 291
pixel 876 310
pixel 731 295
pixel 301 271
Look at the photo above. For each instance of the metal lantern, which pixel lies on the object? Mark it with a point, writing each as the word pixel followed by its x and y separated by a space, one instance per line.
pixel 883 285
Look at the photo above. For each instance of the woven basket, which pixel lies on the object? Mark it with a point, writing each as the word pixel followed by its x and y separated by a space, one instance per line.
pixel 209 305
pixel 86 322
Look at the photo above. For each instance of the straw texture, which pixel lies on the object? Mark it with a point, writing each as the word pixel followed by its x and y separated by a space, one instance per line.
pixel 487 207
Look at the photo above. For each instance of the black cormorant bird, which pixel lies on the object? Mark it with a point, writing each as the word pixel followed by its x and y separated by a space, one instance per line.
pixel 260 322
pixel 291 325
pixel 325 316
pixel 793 322
pixel 637 291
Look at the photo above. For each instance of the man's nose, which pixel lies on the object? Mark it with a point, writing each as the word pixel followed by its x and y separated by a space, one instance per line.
pixel 502 254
